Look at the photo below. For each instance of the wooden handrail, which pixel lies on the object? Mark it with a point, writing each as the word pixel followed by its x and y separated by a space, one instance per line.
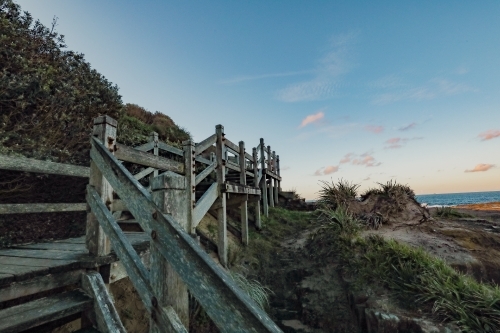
pixel 37 166
pixel 42 208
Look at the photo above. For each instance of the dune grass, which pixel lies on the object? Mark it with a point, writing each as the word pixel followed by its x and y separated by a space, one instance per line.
pixel 447 212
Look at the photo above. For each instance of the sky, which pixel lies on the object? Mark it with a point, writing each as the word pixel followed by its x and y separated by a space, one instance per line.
pixel 362 91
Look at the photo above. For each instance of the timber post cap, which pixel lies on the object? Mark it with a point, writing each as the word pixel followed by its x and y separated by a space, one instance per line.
pixel 153 136
pixel 262 141
pixel 219 127
pixel 169 180
pixel 188 143
pixel 105 120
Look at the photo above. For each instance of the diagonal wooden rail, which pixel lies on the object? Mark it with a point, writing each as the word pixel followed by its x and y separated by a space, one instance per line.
pixel 229 307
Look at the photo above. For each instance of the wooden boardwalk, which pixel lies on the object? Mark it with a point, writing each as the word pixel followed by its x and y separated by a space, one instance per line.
pixel 26 262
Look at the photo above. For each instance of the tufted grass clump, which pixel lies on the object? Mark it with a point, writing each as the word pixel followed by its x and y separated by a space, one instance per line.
pixel 447 212
pixel 333 195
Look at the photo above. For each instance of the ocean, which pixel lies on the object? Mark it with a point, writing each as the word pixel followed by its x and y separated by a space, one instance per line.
pixel 453 199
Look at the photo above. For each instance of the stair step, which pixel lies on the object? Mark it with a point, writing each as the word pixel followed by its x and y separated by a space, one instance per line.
pixel 43 310
pixel 87 330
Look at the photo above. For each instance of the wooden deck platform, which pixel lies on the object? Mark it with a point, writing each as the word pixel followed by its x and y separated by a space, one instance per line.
pixel 25 262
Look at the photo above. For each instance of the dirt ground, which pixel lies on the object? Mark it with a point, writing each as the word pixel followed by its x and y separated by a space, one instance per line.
pixel 470 244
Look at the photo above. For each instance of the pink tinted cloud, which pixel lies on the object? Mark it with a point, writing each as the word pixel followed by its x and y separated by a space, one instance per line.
pixel 312 118
pixel 374 129
pixel 347 158
pixel 408 127
pixel 366 160
pixel 394 143
pixel 488 135
pixel 326 170
pixel 481 167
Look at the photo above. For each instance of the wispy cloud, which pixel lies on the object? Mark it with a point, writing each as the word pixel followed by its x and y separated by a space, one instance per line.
pixel 326 170
pixel 488 135
pixel 397 142
pixel 325 82
pixel 432 89
pixel 347 158
pixel 480 168
pixel 312 118
pixel 366 160
pixel 284 168
pixel 374 129
pixel 408 127
pixel 244 78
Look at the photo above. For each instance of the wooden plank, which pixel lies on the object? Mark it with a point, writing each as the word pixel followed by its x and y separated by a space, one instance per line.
pixel 45 254
pixel 51 246
pixel 118 271
pixel 42 208
pixel 249 157
pixel 231 146
pixel 137 272
pixel 23 272
pixel 203 160
pixel 244 204
pixel 238 188
pixel 235 200
pixel 52 264
pixel 39 284
pixel 37 166
pixel 128 154
pixel 221 155
pixel 208 170
pixel 262 180
pixel 205 144
pixel 76 240
pixel 232 166
pixel 22 317
pixel 256 184
pixel 107 318
pixel 187 206
pixel 144 173
pixel 170 149
pixel 118 206
pixel 146 147
pixel 204 203
pixel 6 278
pixel 212 287
pixel 272 174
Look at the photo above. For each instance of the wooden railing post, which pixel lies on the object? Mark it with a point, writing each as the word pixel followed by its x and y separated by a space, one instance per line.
pixel 96 240
pixel 278 172
pixel 271 179
pixel 276 202
pixel 153 137
pixel 256 184
pixel 189 161
pixel 221 180
pixel 170 195
pixel 265 203
pixel 244 204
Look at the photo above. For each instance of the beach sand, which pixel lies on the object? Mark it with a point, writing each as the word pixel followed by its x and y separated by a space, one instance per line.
pixel 490 206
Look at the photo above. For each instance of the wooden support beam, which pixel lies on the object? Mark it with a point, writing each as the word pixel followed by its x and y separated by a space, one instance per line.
pixel 128 154
pixel 270 167
pixel 189 166
pixel 118 271
pixel 204 174
pixel 204 203
pixel 211 286
pixel 256 184
pixel 275 188
pixel 37 166
pixel 42 208
pixel 205 144
pixel 232 146
pixel 149 145
pixel 263 182
pixel 144 173
pixel 233 166
pixel 235 200
pixel 244 205
pixel 153 138
pixel 172 195
pixel 221 179
pixel 170 149
pixel 107 319
pixel 238 188
pixel 136 271
pixel 96 240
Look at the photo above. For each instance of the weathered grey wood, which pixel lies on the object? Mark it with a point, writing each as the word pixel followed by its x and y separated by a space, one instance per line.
pixel 204 174
pixel 172 194
pixel 76 240
pixel 232 166
pixel 144 173
pixel 203 160
pixel 235 200
pixel 42 208
pixel 214 289
pixel 232 146
pixel 170 149
pixel 6 278
pixel 147 146
pixel 263 182
pixel 275 182
pixel 256 184
pixel 205 144
pixel 270 186
pixel 39 284
pixel 118 271
pixel 128 154
pixel 138 274
pixel 238 188
pixel 118 206
pixel 249 157
pixel 22 317
pixel 153 137
pixel 271 174
pixel 204 203
pixel 278 171
pixel 50 246
pixel 23 272
pixel 244 205
pixel 189 163
pixel 175 321
pixel 220 154
pixel 95 239
pixel 45 254
pixel 54 265
pixel 37 166
pixel 107 318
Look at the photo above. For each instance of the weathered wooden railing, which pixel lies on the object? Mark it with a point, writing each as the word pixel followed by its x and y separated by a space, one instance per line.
pixel 174 253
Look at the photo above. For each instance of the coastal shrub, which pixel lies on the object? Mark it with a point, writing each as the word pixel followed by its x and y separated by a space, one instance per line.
pixel 333 194
pixel 447 212
pixel 253 288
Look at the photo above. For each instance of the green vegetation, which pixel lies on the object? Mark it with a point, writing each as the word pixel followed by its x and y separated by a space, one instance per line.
pixel 333 194
pixel 409 273
pixel 449 212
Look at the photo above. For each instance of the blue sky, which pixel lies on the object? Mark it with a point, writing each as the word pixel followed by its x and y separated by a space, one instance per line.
pixel 365 91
